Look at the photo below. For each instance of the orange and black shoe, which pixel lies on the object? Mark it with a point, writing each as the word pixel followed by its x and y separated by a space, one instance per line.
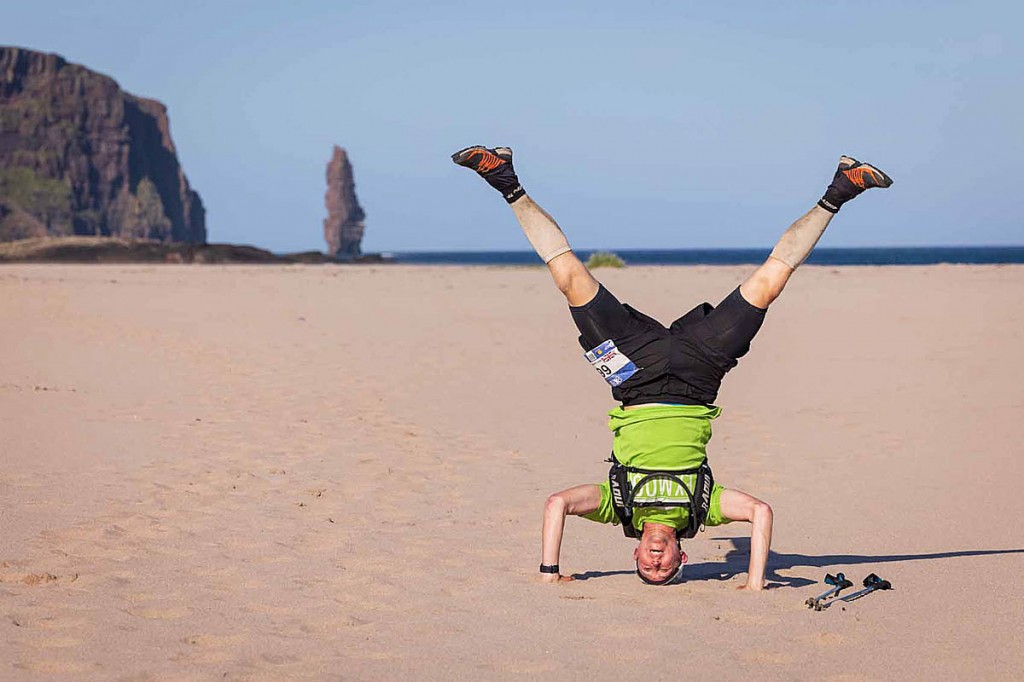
pixel 494 166
pixel 852 178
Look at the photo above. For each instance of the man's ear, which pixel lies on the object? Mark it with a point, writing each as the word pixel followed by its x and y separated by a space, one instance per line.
pixel 636 552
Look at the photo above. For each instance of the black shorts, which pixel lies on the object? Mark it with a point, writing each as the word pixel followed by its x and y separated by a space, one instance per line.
pixel 682 363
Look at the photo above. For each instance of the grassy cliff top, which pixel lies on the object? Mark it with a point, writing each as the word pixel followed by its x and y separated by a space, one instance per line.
pixel 113 250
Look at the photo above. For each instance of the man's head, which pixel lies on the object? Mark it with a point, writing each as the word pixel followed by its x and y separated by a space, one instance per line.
pixel 659 559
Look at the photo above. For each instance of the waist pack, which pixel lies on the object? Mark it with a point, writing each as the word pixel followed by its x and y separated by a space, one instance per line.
pixel 624 493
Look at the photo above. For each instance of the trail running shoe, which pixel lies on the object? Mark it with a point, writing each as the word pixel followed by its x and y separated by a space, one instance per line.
pixel 494 166
pixel 851 178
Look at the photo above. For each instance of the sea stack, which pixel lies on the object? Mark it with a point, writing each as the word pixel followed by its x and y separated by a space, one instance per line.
pixel 80 156
pixel 343 227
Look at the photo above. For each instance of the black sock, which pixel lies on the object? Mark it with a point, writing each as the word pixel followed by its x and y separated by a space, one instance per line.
pixel 503 178
pixel 838 193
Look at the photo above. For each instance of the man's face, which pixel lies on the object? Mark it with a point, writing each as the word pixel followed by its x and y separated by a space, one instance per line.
pixel 658 555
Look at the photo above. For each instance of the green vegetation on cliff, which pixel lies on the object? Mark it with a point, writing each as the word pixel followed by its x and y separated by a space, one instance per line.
pixel 45 199
pixel 140 215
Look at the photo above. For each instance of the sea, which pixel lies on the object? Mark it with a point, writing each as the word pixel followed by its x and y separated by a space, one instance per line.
pixel 910 255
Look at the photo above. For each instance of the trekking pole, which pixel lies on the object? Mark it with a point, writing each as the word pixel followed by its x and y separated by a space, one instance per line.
pixel 838 582
pixel 871 584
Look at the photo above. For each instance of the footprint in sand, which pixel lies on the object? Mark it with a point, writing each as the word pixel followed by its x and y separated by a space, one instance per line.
pixel 160 613
pixel 28 578
pixel 745 618
pixel 826 639
pixel 51 666
pixel 57 642
pixel 58 622
pixel 35 579
pixel 770 657
pixel 279 659
pixel 213 640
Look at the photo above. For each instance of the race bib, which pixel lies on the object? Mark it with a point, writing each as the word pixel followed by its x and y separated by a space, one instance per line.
pixel 611 363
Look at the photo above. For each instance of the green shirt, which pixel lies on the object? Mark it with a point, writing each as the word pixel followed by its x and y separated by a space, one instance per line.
pixel 661 437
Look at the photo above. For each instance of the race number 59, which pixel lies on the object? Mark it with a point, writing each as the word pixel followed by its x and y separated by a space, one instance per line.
pixel 611 363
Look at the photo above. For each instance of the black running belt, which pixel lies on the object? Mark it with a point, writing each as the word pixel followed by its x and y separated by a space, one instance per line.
pixel 624 493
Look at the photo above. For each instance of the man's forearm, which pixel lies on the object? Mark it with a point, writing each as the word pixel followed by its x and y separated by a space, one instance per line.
pixel 582 499
pixel 551 533
pixel 760 543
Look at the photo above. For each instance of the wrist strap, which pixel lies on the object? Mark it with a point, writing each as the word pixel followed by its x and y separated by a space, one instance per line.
pixel 549 568
pixel 828 206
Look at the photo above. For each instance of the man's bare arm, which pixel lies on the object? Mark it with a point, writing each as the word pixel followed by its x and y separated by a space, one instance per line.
pixel 737 506
pixel 582 499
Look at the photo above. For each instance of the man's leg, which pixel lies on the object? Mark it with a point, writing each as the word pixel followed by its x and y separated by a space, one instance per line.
pixel 796 243
pixel 792 249
pixel 570 275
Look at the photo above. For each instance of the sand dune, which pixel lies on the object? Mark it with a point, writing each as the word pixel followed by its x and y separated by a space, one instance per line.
pixel 329 472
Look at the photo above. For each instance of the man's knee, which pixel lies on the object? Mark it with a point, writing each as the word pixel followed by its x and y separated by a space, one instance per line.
pixel 567 282
pixel 573 279
pixel 762 509
pixel 767 283
pixel 555 503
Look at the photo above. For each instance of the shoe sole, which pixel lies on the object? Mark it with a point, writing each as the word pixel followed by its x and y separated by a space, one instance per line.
pixel 460 156
pixel 877 175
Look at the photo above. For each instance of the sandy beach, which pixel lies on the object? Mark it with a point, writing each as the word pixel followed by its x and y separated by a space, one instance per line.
pixel 329 472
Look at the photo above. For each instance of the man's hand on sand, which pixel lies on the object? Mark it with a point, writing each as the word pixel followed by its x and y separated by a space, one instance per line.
pixel 748 587
pixel 556 578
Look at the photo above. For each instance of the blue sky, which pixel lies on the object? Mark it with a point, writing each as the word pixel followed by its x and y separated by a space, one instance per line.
pixel 638 125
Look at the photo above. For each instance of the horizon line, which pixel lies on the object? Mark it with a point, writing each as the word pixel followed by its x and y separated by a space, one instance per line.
pixel 711 248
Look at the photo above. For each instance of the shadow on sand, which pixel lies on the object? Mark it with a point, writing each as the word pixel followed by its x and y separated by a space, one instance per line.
pixel 588 575
pixel 736 559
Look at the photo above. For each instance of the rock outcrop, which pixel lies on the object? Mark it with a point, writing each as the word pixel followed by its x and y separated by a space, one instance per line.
pixel 113 250
pixel 80 156
pixel 343 227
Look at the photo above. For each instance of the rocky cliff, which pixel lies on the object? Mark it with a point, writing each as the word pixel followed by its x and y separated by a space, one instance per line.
pixel 79 156
pixel 343 227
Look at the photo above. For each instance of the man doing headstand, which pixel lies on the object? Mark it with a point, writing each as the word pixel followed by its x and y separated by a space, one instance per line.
pixel 660 487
